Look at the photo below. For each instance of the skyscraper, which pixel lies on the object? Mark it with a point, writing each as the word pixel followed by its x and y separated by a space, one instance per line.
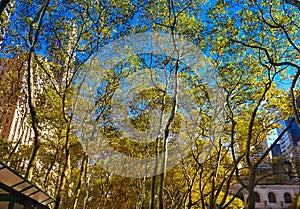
pixel 288 142
pixel 276 151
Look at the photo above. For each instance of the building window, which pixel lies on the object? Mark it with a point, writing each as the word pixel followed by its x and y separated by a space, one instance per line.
pixel 256 197
pixel 272 197
pixel 287 198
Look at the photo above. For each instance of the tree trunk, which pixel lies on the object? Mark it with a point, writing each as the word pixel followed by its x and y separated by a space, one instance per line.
pixel 87 182
pixel 50 168
pixel 251 197
pixel 153 181
pixel 157 143
pixel 30 84
pixel 161 181
pixel 63 179
pixel 34 119
pixel 81 179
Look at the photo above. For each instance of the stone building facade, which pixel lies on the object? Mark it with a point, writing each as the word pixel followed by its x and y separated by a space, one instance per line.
pixel 273 196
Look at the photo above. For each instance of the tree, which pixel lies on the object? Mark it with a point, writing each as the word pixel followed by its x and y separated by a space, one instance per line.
pixel 68 53
pixel 262 39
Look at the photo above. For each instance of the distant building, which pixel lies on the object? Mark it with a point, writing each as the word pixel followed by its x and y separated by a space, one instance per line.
pixel 264 167
pixel 289 140
pixel 276 151
pixel 275 196
pixel 295 132
pixel 14 126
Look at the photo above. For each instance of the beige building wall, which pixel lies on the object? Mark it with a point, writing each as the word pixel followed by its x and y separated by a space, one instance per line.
pixel 14 126
pixel 279 190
